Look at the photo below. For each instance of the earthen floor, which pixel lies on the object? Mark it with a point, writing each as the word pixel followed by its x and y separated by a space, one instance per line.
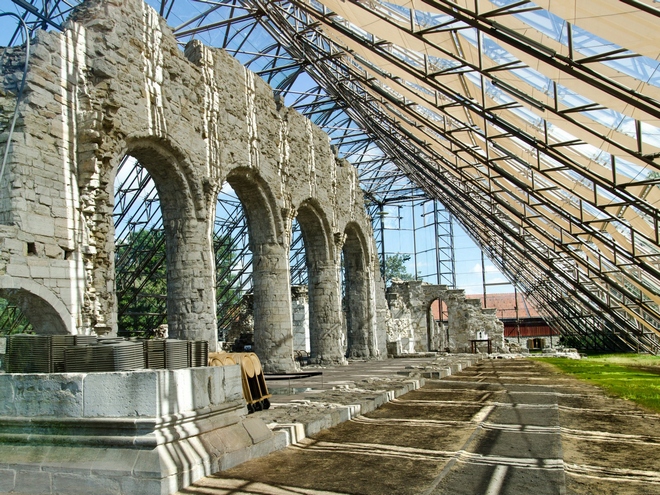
pixel 498 427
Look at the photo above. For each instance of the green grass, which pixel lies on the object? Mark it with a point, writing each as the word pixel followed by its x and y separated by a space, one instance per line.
pixel 618 374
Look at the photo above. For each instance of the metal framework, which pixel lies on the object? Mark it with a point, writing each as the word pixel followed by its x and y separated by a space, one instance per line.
pixel 539 137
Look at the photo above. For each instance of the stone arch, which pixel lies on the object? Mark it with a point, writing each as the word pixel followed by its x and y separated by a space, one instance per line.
pixel 47 313
pixel 358 297
pixel 435 336
pixel 192 119
pixel 190 281
pixel 273 328
pixel 265 225
pixel 325 323
pixel 411 304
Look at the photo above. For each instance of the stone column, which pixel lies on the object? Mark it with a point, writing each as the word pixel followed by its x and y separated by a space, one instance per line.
pixel 273 329
pixel 191 282
pixel 300 314
pixel 325 324
pixel 457 318
pixel 357 313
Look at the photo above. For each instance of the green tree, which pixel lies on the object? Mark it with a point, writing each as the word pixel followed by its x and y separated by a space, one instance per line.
pixel 12 319
pixel 395 267
pixel 141 278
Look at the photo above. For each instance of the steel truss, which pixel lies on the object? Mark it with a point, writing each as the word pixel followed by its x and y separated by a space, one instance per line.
pixel 538 137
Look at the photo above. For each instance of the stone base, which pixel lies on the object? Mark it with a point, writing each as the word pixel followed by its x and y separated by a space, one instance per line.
pixel 132 454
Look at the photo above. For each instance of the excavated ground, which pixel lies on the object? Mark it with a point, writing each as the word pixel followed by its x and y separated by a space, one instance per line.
pixel 499 427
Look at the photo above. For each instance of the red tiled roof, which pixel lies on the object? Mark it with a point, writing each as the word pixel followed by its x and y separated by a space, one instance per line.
pixel 505 304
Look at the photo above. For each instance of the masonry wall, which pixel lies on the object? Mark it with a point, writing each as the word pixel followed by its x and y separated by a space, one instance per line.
pixel 115 83
pixel 413 328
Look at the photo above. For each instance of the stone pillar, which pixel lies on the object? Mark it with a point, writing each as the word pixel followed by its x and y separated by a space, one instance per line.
pixel 273 332
pixel 325 326
pixel 300 314
pixel 191 283
pixel 457 317
pixel 357 313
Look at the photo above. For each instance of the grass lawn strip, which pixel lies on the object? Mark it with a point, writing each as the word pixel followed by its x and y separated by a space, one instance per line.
pixel 619 375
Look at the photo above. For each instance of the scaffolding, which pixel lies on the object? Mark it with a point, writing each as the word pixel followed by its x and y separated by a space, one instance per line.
pixel 536 135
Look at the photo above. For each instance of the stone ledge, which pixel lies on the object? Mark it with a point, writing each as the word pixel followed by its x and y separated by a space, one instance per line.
pixel 327 408
pixel 184 427
pixel 332 407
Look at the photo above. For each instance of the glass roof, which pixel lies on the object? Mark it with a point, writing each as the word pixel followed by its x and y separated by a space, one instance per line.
pixel 539 136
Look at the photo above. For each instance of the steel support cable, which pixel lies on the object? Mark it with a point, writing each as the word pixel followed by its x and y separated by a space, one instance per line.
pixel 467 223
pixel 525 252
pixel 516 157
pixel 21 87
pixel 478 157
pixel 490 74
pixel 517 182
pixel 548 150
pixel 624 256
pixel 548 56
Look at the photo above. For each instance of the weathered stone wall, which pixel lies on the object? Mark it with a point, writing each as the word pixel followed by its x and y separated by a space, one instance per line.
pixel 115 83
pixel 467 321
pixel 146 432
pixel 414 328
pixel 410 309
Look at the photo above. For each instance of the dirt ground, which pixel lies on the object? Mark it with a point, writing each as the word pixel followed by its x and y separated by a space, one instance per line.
pixel 500 427
pixel 610 446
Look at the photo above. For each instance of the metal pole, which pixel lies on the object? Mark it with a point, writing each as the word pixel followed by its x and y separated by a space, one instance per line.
pixel 438 264
pixel 414 232
pixel 382 239
pixel 483 278
pixel 515 293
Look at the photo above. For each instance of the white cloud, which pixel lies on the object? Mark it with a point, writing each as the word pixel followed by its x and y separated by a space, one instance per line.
pixel 489 269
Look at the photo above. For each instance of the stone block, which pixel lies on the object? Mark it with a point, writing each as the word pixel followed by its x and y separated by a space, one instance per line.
pixel 18 270
pixel 130 486
pixel 7 480
pixel 70 459
pixel 150 464
pixel 33 482
pixel 115 462
pixel 73 484
pixel 121 394
pixel 233 384
pixel 234 438
pixel 35 395
pixel 257 429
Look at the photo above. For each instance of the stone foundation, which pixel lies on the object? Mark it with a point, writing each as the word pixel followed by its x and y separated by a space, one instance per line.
pixel 142 432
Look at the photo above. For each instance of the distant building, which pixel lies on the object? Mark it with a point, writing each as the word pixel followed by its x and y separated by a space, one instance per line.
pixel 526 327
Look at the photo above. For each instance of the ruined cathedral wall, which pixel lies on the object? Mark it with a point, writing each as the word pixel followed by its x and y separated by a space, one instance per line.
pixel 115 82
pixel 40 263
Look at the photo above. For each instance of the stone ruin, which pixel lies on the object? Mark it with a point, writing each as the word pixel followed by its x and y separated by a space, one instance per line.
pixel 116 83
pixel 413 328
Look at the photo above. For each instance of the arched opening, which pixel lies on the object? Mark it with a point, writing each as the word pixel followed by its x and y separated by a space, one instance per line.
pixel 300 303
pixel 273 336
pixel 164 270
pixel 140 252
pixel 233 272
pixel 357 295
pixel 325 322
pixel 23 311
pixel 12 319
pixel 436 328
